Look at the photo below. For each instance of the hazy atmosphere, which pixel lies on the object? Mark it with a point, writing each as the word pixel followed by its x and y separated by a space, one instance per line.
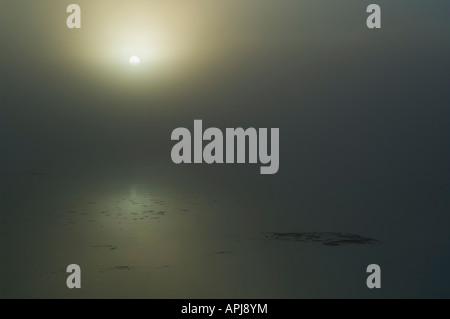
pixel 86 175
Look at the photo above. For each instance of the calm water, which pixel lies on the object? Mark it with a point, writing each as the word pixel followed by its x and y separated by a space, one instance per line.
pixel 149 234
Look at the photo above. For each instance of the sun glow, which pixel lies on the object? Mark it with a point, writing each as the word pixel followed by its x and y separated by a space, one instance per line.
pixel 135 60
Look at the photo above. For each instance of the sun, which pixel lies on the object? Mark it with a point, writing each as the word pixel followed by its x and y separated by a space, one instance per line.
pixel 134 60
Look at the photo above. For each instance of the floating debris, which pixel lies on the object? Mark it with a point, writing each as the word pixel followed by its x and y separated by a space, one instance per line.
pixel 162 267
pixel 122 267
pixel 112 247
pixel 223 252
pixel 326 238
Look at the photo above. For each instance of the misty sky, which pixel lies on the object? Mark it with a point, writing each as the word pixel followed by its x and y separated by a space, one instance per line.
pixel 344 97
